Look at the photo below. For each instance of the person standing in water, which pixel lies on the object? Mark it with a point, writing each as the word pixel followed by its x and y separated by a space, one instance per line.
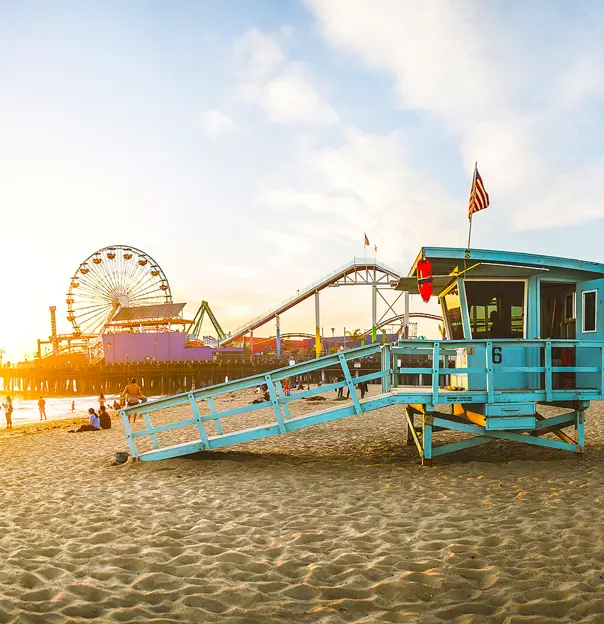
pixel 42 408
pixel 8 410
pixel 101 400
pixel 72 407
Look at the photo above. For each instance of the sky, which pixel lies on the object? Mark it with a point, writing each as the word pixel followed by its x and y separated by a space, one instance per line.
pixel 248 146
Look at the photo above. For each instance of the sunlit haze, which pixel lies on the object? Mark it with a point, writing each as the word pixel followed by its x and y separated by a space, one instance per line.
pixel 248 146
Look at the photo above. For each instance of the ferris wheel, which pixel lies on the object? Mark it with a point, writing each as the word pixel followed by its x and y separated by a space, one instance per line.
pixel 112 278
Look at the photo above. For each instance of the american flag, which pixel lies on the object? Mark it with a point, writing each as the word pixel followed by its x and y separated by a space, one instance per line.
pixel 479 198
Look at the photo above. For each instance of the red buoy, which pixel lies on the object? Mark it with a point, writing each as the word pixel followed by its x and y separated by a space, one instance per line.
pixel 424 279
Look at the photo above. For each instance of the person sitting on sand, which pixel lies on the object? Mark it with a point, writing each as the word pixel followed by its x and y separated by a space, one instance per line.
pixel 116 406
pixel 42 408
pixel 104 418
pixel 8 411
pixel 265 396
pixel 132 393
pixel 94 423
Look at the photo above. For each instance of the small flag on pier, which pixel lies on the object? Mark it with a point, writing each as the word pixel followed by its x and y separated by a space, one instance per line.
pixel 479 198
pixel 366 241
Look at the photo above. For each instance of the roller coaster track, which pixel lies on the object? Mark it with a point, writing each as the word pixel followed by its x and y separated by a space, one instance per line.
pixel 361 271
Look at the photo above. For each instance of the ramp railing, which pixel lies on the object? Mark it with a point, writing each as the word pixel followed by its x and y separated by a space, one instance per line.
pixel 492 372
pixel 279 401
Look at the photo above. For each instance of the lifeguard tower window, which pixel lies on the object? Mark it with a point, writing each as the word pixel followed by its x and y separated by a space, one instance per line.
pixel 589 311
pixel 558 316
pixel 496 309
pixel 452 306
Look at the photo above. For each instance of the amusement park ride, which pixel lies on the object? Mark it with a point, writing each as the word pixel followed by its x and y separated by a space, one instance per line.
pixel 120 289
pixel 527 334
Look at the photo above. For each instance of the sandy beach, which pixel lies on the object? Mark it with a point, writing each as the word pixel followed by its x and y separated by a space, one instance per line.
pixel 337 523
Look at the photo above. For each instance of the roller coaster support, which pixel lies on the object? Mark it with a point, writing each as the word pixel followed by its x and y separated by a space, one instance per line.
pixel 318 345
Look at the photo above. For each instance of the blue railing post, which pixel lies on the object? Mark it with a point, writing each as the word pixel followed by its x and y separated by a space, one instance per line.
pixel 216 421
pixel 386 368
pixel 149 426
pixel 202 432
pixel 580 427
pixel 489 365
pixel 427 422
pixel 128 432
pixel 435 371
pixel 548 370
pixel 353 391
pixel 602 370
pixel 281 395
pixel 275 402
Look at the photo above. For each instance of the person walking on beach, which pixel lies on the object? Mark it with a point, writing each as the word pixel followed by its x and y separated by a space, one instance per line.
pixel 101 400
pixel 72 407
pixel 42 408
pixel 8 411
pixel 132 393
pixel 340 389
pixel 364 388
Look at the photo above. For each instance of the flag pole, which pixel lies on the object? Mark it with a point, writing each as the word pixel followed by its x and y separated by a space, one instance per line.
pixel 472 200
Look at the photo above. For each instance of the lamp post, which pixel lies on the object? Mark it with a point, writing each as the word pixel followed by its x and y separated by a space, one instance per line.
pixel 154 345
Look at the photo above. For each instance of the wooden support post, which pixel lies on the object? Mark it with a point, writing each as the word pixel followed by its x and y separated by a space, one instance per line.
pixel 580 429
pixel 411 429
pixel 410 425
pixel 427 422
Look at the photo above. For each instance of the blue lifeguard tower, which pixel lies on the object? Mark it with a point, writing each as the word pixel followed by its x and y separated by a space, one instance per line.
pixel 523 331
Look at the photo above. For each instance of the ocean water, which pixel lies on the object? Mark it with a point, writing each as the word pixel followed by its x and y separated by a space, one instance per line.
pixel 26 410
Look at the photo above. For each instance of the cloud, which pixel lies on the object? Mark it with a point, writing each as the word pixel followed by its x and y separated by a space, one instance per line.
pixel 366 183
pixel 291 98
pixel 283 89
pixel 214 122
pixel 518 101
pixel 257 54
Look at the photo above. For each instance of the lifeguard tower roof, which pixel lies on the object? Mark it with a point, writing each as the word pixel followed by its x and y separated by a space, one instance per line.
pixel 448 263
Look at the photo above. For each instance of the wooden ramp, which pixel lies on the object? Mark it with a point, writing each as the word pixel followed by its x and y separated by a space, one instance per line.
pixel 504 414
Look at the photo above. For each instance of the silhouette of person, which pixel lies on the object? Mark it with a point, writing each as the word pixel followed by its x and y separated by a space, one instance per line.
pixel 497 329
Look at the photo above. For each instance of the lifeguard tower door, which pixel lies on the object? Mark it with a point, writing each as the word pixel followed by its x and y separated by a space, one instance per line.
pixel 590 327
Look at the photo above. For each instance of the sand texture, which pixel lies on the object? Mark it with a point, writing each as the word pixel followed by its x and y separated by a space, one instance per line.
pixel 336 523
